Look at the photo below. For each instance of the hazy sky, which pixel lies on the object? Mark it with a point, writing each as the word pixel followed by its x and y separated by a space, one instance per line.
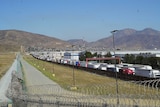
pixel 79 19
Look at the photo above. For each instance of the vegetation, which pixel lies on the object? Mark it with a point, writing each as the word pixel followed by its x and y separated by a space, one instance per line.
pixel 88 54
pixel 140 59
pixel 88 83
pixel 128 58
pixel 6 59
pixel 85 55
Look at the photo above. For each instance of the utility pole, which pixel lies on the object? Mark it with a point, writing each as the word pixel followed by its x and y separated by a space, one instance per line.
pixel 117 91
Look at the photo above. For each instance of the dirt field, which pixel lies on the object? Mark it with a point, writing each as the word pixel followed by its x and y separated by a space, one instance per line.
pixel 6 59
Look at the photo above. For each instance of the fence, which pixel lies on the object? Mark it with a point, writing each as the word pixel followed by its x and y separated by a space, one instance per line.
pixel 126 94
pixel 5 104
pixel 130 94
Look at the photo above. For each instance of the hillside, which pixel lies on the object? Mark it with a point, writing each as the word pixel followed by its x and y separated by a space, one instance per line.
pixel 78 42
pixel 130 39
pixel 12 40
pixel 126 39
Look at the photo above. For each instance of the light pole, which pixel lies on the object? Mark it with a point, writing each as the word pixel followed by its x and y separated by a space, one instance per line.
pixel 117 92
pixel 53 74
pixel 74 83
pixel 73 73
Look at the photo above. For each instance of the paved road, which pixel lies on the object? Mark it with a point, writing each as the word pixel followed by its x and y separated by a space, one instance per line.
pixel 48 91
pixel 34 76
pixel 36 82
pixel 43 88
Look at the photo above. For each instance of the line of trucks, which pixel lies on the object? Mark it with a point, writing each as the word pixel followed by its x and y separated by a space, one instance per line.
pixel 125 68
pixel 129 69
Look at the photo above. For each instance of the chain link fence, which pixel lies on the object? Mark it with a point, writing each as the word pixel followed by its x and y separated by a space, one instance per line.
pixel 127 94
pixel 130 94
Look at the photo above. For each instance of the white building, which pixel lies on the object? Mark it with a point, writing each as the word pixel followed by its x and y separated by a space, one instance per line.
pixel 72 55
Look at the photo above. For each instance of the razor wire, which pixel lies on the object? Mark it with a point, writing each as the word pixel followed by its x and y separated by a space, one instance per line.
pixel 51 95
pixel 131 94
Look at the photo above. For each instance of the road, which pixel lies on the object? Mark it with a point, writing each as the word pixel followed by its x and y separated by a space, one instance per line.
pixel 40 87
pixel 36 82
pixel 42 91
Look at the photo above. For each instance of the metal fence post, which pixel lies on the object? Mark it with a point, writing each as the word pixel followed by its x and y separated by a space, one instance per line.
pixel 104 105
pixel 57 104
pixel 79 104
pixel 41 102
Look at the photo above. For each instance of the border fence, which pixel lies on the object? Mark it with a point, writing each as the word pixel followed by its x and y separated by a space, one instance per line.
pixel 144 93
pixel 137 94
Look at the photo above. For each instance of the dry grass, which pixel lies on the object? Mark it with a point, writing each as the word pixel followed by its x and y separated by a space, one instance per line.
pixel 6 59
pixel 90 83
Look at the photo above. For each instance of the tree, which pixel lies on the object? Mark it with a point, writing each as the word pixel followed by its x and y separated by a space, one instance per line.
pixel 145 61
pixel 132 59
pixel 129 58
pixel 88 54
pixel 153 62
pixel 139 59
pixel 85 55
pixel 82 57
pixel 108 55
pixel 95 55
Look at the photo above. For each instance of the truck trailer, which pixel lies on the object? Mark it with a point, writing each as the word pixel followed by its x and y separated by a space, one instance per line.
pixel 151 73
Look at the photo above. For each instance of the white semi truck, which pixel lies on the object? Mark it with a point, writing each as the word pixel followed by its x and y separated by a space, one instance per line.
pixel 151 73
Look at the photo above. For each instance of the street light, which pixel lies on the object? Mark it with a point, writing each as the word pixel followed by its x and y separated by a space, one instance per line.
pixel 73 73
pixel 113 32
pixel 53 74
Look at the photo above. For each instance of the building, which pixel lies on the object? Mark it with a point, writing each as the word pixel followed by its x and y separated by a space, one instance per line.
pixel 72 55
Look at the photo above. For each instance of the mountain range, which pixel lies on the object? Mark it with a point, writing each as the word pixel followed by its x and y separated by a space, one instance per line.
pixel 126 39
pixel 12 40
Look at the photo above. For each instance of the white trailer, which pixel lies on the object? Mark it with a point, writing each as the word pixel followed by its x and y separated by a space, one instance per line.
pixel 147 67
pixel 151 73
pixel 82 63
pixel 93 65
pixel 103 67
pixel 111 67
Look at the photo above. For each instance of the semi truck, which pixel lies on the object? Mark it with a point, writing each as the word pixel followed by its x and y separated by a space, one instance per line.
pixel 151 73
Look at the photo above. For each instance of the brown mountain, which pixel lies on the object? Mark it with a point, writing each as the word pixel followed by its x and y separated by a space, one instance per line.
pixel 12 40
pixel 130 39
pixel 78 42
pixel 126 39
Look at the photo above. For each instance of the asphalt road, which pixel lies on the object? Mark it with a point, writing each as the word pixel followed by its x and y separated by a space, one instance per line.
pixel 39 87
pixel 36 82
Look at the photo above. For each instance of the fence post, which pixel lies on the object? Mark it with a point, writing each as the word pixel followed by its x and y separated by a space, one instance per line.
pixel 57 103
pixel 41 102
pixel 104 105
pixel 79 104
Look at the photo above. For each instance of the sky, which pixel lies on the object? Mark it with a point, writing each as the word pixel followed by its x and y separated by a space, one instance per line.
pixel 90 20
